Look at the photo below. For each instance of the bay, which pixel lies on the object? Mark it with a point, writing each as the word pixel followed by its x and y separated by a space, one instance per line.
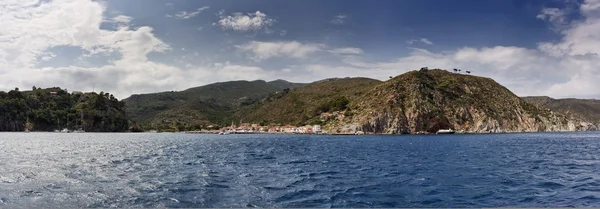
pixel 187 170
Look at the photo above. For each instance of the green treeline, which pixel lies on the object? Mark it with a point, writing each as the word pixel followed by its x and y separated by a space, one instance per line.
pixel 55 109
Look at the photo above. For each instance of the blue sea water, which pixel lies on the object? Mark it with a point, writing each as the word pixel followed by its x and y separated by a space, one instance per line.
pixel 185 170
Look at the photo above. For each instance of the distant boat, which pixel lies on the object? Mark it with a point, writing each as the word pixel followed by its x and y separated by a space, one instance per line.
pixel 79 131
pixel 445 131
pixel 65 130
pixel 224 132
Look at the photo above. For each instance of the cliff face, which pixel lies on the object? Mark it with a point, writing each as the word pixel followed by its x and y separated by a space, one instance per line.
pixel 428 100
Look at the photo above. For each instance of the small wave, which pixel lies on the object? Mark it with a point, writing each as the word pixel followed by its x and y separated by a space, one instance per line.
pixel 432 192
pixel 591 186
pixel 296 195
pixel 550 185
pixel 117 162
pixel 250 205
pixel 299 162
pixel 53 187
pixel 185 190
pixel 273 188
pixel 484 195
pixel 298 182
pixel 508 182
pixel 431 201
pixel 584 179
pixel 245 175
pixel 326 173
pixel 589 197
pixel 32 193
pixel 5 179
pixel 213 185
pixel 527 200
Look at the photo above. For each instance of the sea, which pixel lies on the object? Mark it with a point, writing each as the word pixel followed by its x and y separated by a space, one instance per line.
pixel 63 170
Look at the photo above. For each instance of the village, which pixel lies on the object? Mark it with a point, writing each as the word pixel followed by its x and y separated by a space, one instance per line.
pixel 247 128
pixel 273 128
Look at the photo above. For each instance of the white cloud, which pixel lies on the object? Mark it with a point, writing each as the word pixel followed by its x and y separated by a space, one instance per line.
pixel 566 68
pixel 283 32
pixel 266 50
pixel 187 15
pixel 339 19
pixel 346 51
pixel 28 30
pixel 557 17
pixel 421 40
pixel 121 19
pixel 569 67
pixel 504 64
pixel 245 22
pixel 240 72
pixel 48 56
pixel 590 7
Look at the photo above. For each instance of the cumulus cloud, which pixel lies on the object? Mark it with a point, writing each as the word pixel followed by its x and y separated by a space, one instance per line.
pixel 187 15
pixel 568 67
pixel 265 50
pixel 245 22
pixel 29 30
pixel 421 40
pixel 339 19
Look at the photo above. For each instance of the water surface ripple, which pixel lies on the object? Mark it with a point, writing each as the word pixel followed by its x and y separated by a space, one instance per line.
pixel 183 170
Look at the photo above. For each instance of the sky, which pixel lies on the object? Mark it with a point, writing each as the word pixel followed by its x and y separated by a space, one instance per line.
pixel 125 47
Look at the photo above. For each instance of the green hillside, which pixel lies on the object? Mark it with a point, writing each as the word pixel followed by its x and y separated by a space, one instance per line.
pixel 212 104
pixel 55 109
pixel 588 109
pixel 421 101
pixel 304 105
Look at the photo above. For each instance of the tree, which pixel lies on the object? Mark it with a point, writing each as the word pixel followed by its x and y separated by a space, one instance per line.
pixel 458 70
pixel 390 77
pixel 455 70
pixel 468 72
pixel 33 88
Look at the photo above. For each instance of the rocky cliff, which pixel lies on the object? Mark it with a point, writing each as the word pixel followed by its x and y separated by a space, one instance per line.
pixel 428 100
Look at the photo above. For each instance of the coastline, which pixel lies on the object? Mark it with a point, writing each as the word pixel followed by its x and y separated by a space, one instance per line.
pixel 289 133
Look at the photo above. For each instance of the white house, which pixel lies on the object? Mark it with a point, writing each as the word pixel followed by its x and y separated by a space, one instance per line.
pixel 316 129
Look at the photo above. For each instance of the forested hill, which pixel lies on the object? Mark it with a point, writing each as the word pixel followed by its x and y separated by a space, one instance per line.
pixel 55 109
pixel 191 109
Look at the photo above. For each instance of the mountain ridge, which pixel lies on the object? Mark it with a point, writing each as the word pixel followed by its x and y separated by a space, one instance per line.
pixel 199 107
pixel 422 101
pixel 414 102
pixel 586 109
